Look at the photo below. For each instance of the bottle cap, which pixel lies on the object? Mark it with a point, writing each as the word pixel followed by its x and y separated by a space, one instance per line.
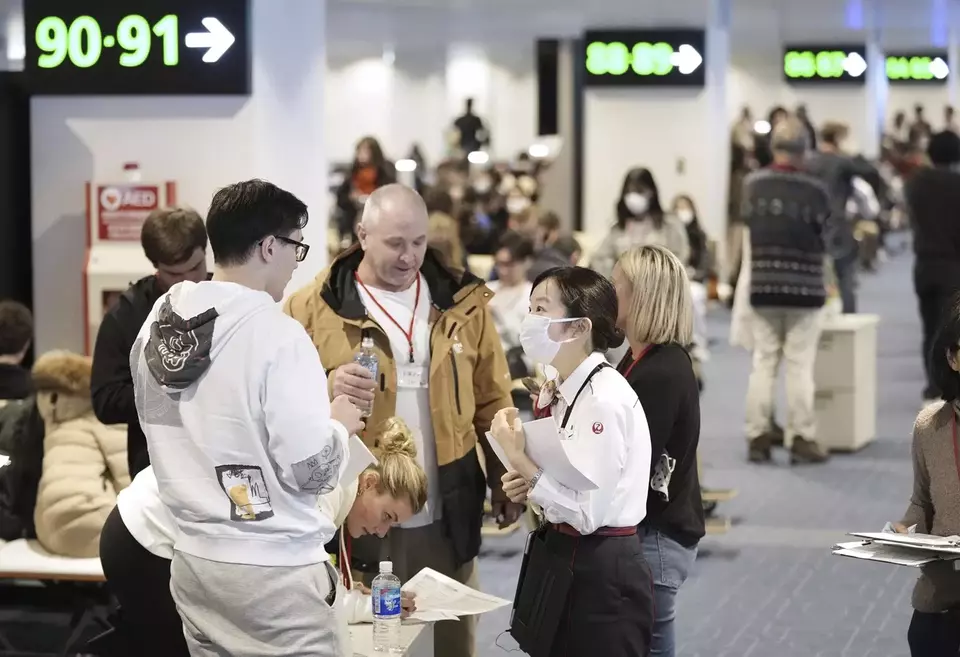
pixel 367 341
pixel 386 567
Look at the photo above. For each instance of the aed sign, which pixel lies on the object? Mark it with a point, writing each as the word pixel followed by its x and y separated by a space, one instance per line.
pixel 148 47
pixel 653 58
pixel 122 209
pixel 845 64
pixel 929 67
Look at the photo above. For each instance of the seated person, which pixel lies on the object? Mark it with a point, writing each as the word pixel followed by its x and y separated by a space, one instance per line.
pixel 548 229
pixel 16 333
pixel 565 251
pixel 84 461
pixel 138 541
pixel 511 298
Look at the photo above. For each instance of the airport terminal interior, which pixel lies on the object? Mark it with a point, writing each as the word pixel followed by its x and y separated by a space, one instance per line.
pixel 792 167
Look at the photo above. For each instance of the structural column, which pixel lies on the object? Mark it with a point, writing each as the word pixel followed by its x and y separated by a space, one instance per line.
pixel 953 58
pixel 713 213
pixel 877 85
pixel 287 113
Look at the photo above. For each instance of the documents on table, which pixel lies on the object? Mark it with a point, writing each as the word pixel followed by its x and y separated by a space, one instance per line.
pixel 548 451
pixel 442 598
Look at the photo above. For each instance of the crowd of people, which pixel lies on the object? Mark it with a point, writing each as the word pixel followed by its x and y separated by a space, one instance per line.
pixel 201 452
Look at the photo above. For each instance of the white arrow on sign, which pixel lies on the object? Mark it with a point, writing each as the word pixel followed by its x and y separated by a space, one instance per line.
pixel 939 68
pixel 686 59
pixel 217 40
pixel 855 64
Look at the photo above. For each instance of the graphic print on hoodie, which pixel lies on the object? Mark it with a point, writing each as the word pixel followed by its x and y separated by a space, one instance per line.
pixel 233 401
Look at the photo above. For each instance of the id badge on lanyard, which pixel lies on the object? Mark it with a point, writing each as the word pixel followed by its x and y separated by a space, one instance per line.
pixel 411 376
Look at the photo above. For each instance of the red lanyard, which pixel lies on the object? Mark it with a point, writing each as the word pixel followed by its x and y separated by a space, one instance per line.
pixel 408 334
pixel 345 562
pixel 643 352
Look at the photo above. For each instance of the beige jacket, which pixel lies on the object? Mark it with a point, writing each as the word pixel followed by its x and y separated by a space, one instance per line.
pixel 84 461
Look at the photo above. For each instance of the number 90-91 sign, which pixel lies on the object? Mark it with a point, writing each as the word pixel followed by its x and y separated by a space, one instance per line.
pixel 95 47
pixel 644 58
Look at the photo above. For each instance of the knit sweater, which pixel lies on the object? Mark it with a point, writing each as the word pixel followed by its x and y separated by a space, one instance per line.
pixel 935 503
pixel 787 212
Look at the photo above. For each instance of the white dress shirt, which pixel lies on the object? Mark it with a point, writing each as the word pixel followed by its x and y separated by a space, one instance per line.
pixel 609 442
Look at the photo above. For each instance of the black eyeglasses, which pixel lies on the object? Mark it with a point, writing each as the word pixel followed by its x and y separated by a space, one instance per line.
pixel 302 249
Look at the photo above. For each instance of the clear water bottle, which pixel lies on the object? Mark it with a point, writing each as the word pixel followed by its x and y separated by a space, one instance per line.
pixel 386 610
pixel 367 358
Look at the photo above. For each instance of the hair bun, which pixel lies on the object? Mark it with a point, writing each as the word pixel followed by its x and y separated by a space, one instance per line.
pixel 397 438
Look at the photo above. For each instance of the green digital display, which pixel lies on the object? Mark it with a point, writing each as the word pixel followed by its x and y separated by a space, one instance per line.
pixel 825 64
pixel 917 67
pixel 644 57
pixel 96 47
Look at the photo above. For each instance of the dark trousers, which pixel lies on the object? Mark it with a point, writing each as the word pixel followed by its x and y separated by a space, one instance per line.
pixel 934 635
pixel 609 609
pixel 932 299
pixel 845 269
pixel 149 623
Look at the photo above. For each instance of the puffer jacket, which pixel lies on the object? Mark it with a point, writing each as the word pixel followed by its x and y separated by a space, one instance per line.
pixel 84 461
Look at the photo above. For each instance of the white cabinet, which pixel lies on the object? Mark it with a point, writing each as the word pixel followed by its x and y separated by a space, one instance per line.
pixel 846 380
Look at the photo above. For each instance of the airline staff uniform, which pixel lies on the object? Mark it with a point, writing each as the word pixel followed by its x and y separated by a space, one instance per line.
pixel 595 535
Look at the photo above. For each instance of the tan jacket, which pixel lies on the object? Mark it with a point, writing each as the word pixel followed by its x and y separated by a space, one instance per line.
pixel 84 461
pixel 469 378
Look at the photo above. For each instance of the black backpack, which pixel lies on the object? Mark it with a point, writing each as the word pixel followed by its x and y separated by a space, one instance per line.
pixel 20 479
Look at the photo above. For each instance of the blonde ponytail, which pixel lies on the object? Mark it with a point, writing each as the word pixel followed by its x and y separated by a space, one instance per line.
pixel 399 474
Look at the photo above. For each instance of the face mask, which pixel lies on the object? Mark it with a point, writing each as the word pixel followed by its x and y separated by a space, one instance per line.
pixel 483 185
pixel 685 215
pixel 517 204
pixel 536 341
pixel 637 203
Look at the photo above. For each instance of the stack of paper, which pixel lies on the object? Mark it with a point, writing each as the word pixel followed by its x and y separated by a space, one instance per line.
pixel 442 598
pixel 909 549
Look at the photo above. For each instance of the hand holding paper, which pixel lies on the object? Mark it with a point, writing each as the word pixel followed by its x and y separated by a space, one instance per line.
pixel 442 598
pixel 507 429
pixel 544 447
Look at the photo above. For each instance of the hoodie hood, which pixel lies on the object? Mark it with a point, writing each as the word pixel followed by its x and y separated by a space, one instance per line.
pixel 193 322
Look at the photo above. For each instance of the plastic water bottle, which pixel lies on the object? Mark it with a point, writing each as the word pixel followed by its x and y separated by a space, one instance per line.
pixel 386 610
pixel 367 358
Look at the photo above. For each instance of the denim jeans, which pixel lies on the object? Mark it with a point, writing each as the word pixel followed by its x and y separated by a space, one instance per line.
pixel 670 564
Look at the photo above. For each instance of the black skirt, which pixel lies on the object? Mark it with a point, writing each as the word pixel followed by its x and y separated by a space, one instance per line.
pixel 609 608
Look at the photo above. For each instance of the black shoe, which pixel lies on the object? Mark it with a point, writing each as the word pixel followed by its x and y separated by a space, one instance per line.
pixel 805 451
pixel 759 449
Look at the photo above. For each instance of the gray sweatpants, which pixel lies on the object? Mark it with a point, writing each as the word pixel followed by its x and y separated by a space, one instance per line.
pixel 233 610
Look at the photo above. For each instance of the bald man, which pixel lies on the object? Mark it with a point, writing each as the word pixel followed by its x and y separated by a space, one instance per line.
pixel 442 369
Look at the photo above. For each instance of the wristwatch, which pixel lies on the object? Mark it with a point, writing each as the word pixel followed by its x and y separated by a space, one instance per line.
pixel 535 478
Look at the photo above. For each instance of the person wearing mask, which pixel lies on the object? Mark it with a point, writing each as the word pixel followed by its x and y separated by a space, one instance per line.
pixel 653 297
pixel 370 171
pixel 139 539
pixel 837 170
pixel 935 502
pixel 931 195
pixel 16 335
pixel 243 438
pixel 640 220
pixel 592 534
pixel 175 242
pixel 511 297
pixel 442 370
pixel 698 270
pixel 787 212
pixel 471 134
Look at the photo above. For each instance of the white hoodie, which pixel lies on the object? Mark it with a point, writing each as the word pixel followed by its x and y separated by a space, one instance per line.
pixel 233 401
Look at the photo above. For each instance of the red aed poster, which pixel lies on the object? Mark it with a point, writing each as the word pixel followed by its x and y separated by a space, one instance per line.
pixel 122 209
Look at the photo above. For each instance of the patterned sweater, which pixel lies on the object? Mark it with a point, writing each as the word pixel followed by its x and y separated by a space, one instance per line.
pixel 787 212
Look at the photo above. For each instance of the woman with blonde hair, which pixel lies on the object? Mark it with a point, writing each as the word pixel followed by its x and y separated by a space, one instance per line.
pixel 656 314
pixel 139 538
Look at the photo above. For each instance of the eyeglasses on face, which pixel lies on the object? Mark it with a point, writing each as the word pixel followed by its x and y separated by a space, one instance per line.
pixel 302 249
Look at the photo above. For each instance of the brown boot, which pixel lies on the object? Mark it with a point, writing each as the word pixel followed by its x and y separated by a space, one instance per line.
pixel 806 451
pixel 759 449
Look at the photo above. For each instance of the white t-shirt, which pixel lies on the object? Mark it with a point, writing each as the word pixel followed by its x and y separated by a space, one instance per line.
pixel 509 306
pixel 413 403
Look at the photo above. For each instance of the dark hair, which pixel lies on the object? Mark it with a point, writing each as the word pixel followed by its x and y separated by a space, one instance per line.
pixel 778 109
pixel 566 245
pixel 946 344
pixel 16 327
pixel 519 247
pixel 244 214
pixel 689 200
pixel 833 132
pixel 438 199
pixel 549 221
pixel 918 108
pixel 170 236
pixel 377 158
pixel 585 293
pixel 944 148
pixel 643 177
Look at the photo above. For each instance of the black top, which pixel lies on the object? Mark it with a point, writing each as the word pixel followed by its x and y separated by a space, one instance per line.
pixel 111 384
pixel 15 382
pixel 666 385
pixel 933 201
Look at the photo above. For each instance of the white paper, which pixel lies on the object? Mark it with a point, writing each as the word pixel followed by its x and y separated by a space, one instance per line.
pixel 439 593
pixel 940 544
pixel 888 529
pixel 360 459
pixel 4 460
pixel 498 450
pixel 899 556
pixel 420 616
pixel 548 451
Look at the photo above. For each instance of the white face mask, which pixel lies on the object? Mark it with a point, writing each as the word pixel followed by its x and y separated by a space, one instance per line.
pixel 536 341
pixel 517 204
pixel 637 203
pixel 685 215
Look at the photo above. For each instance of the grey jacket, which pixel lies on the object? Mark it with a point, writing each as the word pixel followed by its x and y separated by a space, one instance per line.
pixel 671 235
